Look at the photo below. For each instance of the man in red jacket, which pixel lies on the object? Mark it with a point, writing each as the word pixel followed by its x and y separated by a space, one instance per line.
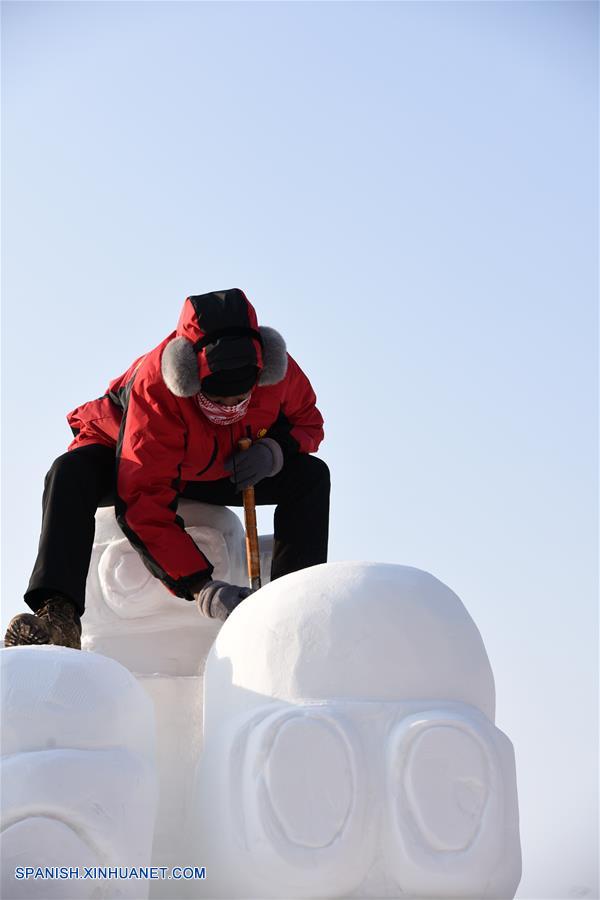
pixel 169 427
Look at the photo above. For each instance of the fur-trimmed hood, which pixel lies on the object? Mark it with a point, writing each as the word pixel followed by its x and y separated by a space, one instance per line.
pixel 217 331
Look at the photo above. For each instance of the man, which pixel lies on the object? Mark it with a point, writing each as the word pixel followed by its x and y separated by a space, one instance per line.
pixel 169 427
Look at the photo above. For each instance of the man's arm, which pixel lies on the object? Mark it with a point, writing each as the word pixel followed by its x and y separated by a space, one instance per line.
pixel 149 453
pixel 299 427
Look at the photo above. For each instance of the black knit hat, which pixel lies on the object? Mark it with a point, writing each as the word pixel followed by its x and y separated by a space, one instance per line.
pixel 230 382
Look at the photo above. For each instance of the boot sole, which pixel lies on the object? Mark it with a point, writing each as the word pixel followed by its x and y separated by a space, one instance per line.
pixel 26 629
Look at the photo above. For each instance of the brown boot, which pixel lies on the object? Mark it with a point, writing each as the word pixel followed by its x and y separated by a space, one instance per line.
pixel 26 629
pixel 56 622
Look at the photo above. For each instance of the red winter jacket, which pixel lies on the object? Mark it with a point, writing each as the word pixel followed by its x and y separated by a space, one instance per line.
pixel 163 440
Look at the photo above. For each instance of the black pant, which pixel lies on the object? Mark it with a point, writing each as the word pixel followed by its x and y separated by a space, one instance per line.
pixel 83 479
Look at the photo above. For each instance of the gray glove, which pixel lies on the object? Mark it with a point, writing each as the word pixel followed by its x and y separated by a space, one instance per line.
pixel 217 599
pixel 262 460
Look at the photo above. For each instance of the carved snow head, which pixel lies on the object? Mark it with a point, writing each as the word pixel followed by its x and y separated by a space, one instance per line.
pixel 349 745
pixel 78 771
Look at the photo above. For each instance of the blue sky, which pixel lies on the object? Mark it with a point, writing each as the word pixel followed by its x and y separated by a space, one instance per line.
pixel 409 193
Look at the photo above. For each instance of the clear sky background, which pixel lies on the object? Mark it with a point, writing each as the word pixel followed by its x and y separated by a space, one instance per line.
pixel 409 193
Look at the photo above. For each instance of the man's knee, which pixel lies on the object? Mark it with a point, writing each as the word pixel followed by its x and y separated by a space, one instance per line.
pixel 321 469
pixel 82 469
pixel 311 469
pixel 61 464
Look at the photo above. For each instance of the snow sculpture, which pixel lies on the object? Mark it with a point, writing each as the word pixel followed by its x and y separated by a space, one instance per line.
pixel 132 617
pixel 79 784
pixel 349 745
pixel 344 743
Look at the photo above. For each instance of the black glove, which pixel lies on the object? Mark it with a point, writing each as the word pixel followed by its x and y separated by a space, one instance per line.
pixel 261 460
pixel 217 599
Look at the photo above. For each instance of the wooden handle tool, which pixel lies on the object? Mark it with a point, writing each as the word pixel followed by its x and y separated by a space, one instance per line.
pixel 252 550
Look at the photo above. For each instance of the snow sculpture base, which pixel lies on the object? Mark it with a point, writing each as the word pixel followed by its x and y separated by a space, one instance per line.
pixel 177 704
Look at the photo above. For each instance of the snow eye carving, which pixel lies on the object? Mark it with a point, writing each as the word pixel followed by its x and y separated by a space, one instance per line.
pixel 123 579
pixel 444 782
pixel 131 591
pixel 308 781
pixel 444 801
pixel 305 806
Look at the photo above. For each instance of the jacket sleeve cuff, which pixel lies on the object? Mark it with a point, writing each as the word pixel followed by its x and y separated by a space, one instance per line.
pixel 189 586
pixel 277 452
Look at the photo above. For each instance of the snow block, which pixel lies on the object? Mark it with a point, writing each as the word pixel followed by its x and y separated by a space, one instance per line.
pixel 132 617
pixel 349 745
pixel 79 785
